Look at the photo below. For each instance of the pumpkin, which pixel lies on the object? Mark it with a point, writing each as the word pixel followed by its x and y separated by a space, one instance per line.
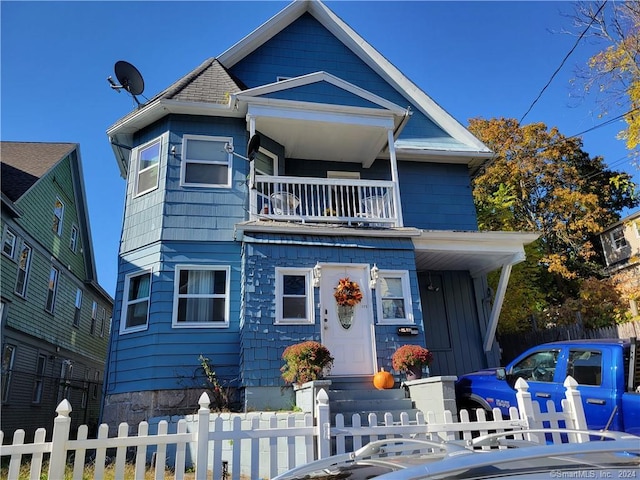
pixel 383 380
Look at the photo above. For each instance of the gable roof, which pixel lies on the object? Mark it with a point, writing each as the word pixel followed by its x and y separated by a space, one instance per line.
pixel 24 163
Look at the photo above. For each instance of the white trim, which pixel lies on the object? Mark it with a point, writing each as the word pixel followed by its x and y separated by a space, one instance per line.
pixel 161 141
pixel 622 237
pixel 177 296
pixel 185 160
pixel 54 290
pixel 126 303
pixel 406 296
pixel 9 232
pixel 59 227
pixel 26 270
pixel 280 272
pixel 73 241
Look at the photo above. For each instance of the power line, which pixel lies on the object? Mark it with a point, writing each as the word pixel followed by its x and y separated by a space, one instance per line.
pixel 566 57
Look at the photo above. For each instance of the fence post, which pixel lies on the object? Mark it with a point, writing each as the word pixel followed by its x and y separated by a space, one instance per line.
pixel 59 438
pixel 202 440
pixel 526 408
pixel 576 409
pixel 324 424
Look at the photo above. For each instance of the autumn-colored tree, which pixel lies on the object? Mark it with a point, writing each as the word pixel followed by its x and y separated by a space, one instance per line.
pixel 614 72
pixel 542 181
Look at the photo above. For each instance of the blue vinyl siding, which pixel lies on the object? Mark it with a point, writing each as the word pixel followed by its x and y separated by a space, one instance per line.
pixel 262 342
pixel 322 92
pixel 163 357
pixel 306 47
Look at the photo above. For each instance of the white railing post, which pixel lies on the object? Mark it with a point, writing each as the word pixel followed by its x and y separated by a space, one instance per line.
pixel 526 408
pixel 324 424
pixel 59 438
pixel 202 442
pixel 575 407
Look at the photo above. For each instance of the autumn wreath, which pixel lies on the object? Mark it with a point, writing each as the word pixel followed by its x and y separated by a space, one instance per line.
pixel 347 293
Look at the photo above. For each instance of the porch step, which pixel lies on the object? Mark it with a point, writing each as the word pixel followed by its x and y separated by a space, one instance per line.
pixel 349 395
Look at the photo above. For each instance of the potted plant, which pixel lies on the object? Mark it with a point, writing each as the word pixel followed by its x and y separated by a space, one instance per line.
pixel 411 359
pixel 305 362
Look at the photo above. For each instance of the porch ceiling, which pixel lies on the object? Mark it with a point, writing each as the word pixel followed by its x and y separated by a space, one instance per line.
pixel 477 252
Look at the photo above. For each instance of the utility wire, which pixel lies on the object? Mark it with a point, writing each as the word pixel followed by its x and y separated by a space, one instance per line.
pixel 563 61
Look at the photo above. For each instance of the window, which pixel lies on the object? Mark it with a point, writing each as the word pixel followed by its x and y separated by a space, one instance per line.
pixel 76 315
pixel 8 358
pixel 9 243
pixel 66 373
pixel 96 385
pixel 585 366
pixel 51 291
pixel 294 296
pixel 135 311
pixel 147 158
pixel 205 161
pixel 38 381
pixel 94 317
pixel 24 261
pixel 393 297
pixel 201 296
pixel 73 241
pixel 102 318
pixel 58 212
pixel 617 238
pixel 538 367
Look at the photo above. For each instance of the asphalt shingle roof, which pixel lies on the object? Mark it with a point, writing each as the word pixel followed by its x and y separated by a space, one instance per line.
pixel 24 163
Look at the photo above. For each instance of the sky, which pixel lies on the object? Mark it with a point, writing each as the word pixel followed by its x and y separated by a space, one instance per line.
pixel 474 58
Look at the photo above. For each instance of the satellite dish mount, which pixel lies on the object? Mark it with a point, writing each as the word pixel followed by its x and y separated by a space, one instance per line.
pixel 130 79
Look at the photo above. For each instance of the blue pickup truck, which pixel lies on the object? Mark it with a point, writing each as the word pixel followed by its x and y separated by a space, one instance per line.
pixel 606 370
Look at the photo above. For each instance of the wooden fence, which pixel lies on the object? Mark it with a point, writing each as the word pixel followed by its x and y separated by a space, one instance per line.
pixel 257 450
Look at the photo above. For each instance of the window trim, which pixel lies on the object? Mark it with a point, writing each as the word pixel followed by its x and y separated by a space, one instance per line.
pixel 125 302
pixel 53 291
pixel 280 272
pixel 614 238
pixel 73 238
pixel 409 319
pixel 185 161
pixel 94 318
pixel 9 232
pixel 26 271
pixel 161 140
pixel 177 296
pixel 58 230
pixel 78 308
pixel 8 374
pixel 38 379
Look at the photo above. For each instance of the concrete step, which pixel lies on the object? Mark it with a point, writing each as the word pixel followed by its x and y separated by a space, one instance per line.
pixel 362 394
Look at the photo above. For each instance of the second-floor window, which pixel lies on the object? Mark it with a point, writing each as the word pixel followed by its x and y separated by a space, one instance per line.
pixel 76 314
pixel 58 213
pixel 618 239
pixel 9 243
pixel 205 161
pixel 147 161
pixel 52 289
pixel 94 318
pixel 73 241
pixel 201 296
pixel 135 309
pixel 294 296
pixel 24 261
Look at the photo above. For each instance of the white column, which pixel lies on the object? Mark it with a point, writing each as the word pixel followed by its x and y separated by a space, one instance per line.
pixel 394 177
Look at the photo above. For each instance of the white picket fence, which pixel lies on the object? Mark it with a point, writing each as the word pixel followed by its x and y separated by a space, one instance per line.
pixel 265 445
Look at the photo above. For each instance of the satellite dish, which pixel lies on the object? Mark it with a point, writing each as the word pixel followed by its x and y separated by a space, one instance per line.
pixel 253 146
pixel 129 77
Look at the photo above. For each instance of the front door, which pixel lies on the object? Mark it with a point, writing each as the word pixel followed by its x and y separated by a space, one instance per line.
pixel 351 345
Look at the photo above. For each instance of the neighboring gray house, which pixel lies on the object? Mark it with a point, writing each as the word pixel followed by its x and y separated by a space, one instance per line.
pixel 55 316
pixel 358 174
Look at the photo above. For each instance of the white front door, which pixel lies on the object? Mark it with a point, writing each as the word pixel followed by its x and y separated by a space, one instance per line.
pixel 352 347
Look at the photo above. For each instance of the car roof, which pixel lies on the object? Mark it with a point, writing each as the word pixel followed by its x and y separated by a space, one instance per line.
pixel 590 341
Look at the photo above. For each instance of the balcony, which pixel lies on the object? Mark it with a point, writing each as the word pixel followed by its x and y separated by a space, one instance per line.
pixel 366 203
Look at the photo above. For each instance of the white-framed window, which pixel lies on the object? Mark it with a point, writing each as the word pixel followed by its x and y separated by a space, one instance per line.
pixel 96 385
pixel 76 314
pixel 58 213
pixel 9 243
pixel 73 240
pixel 201 296
pixel 147 166
pixel 94 317
pixel 205 161
pixel 103 317
pixel 8 359
pixel 38 381
pixel 52 288
pixel 393 296
pixel 22 277
pixel 294 296
pixel 618 239
pixel 136 300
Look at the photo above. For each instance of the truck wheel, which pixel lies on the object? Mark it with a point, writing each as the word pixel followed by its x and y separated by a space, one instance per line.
pixel 472 408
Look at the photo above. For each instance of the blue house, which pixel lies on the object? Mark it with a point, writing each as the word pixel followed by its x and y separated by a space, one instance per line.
pixel 298 157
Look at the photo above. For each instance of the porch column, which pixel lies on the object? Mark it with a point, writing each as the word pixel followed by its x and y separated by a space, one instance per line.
pixel 394 177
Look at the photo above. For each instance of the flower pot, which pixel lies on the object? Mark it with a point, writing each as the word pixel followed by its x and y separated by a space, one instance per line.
pixel 414 372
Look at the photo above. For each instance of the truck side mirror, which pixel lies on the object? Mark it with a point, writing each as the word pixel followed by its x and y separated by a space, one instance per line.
pixel 501 373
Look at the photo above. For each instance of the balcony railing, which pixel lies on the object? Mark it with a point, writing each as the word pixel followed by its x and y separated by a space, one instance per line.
pixel 343 201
